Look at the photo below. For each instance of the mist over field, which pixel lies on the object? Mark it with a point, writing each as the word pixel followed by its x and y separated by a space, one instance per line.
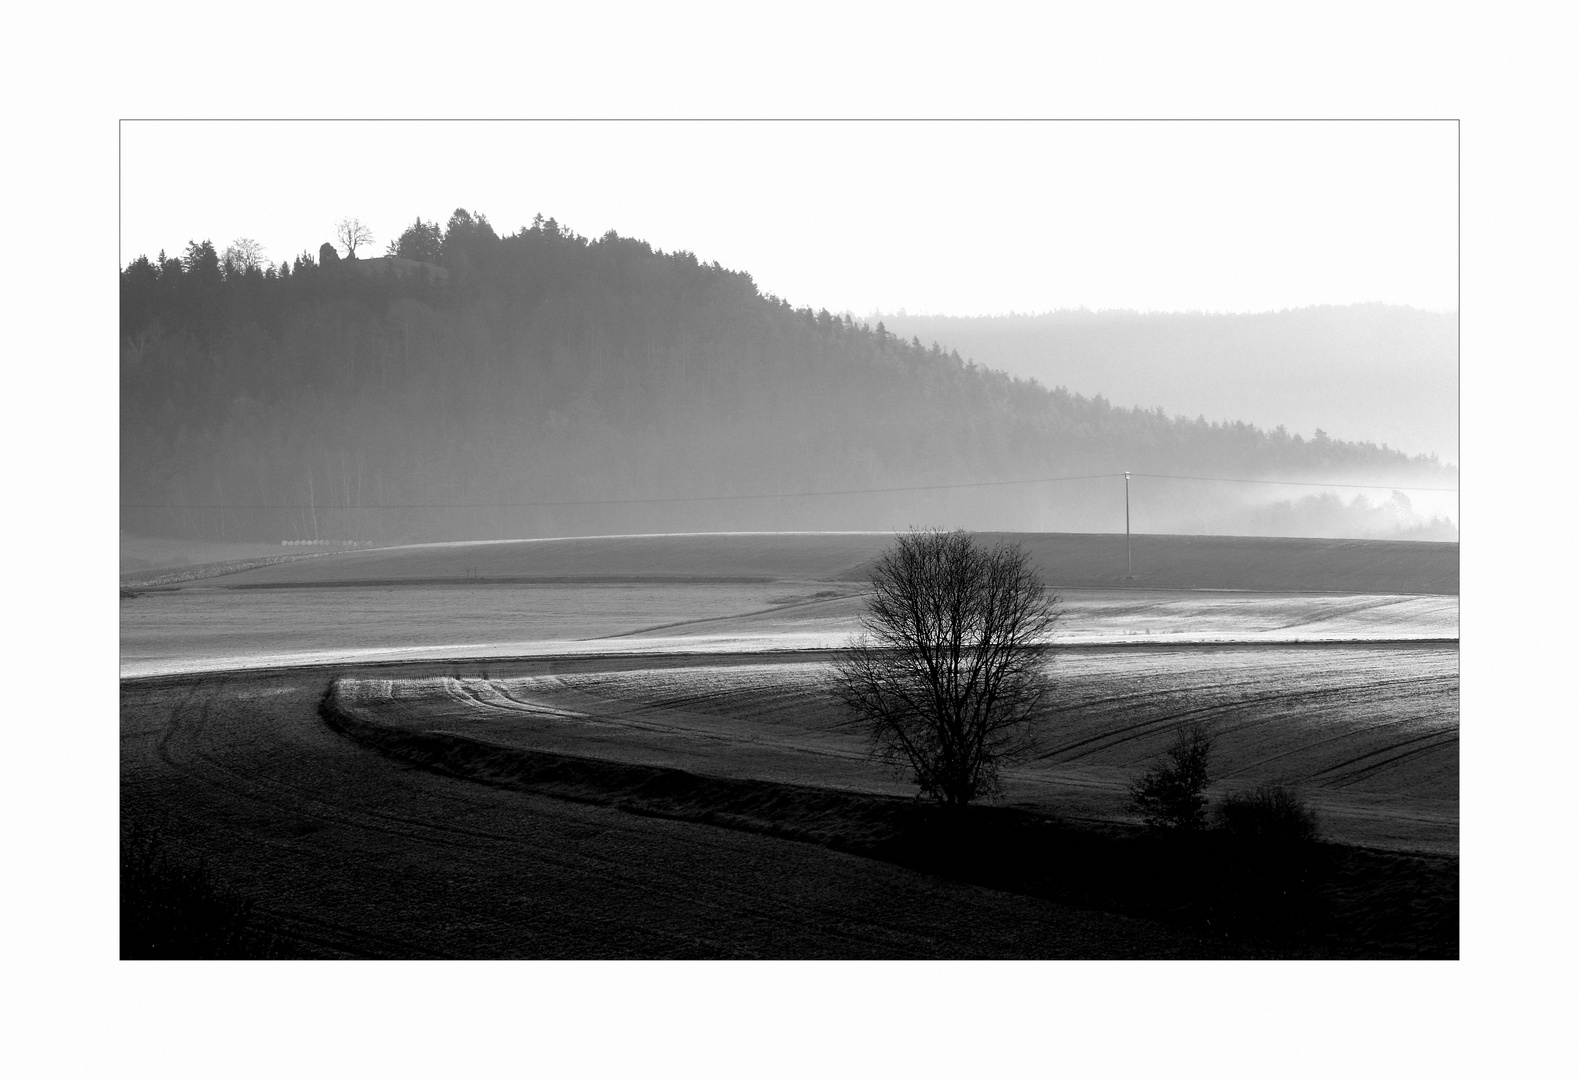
pixel 473 386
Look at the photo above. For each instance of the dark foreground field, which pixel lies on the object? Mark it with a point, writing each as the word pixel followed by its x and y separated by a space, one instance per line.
pixel 358 840
pixel 349 853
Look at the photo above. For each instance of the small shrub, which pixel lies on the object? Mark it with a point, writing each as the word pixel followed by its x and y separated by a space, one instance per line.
pixel 1272 813
pixel 1170 794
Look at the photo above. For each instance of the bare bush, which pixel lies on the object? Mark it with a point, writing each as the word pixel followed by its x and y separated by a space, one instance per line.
pixel 1271 813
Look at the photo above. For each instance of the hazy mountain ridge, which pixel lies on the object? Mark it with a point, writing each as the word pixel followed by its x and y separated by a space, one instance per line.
pixel 1373 372
pixel 354 400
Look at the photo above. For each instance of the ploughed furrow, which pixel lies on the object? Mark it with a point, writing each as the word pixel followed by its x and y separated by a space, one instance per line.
pixel 711 703
pixel 1344 773
pixel 1343 610
pixel 1107 740
pixel 658 728
pixel 701 692
pixel 1263 765
pixel 1299 700
pixel 529 695
pixel 1075 706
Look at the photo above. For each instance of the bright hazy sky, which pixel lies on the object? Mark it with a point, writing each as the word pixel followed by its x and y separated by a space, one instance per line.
pixel 963 218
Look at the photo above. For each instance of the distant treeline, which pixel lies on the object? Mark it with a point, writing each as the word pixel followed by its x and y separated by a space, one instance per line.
pixel 429 393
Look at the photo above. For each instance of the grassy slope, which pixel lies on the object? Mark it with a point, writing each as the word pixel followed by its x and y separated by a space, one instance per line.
pixel 1066 559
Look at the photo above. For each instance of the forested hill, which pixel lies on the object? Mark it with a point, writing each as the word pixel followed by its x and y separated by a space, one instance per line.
pixel 479 386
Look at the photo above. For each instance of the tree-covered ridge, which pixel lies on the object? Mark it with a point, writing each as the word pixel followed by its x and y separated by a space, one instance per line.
pixel 372 395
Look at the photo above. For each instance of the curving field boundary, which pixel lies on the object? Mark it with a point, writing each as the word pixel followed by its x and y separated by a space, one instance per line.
pixel 837 819
pixel 1370 903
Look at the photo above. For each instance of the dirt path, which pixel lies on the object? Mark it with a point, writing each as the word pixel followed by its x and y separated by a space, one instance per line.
pixel 350 854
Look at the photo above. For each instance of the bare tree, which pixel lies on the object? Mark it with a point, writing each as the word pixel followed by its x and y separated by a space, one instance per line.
pixel 950 673
pixel 352 234
pixel 242 255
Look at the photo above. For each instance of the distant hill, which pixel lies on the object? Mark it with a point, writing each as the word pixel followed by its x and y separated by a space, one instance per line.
pixel 1067 560
pixel 1370 372
pixel 545 384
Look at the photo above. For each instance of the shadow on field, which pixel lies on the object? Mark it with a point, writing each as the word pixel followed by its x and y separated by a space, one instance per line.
pixel 1252 896
pixel 173 909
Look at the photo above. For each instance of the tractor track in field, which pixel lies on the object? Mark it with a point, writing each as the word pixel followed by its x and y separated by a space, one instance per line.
pixel 1107 740
pixel 1417 746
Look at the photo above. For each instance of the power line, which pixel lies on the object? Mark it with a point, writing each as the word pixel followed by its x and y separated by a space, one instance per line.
pixel 763 495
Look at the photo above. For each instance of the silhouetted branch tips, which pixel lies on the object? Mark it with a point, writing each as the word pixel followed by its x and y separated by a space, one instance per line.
pixel 949 674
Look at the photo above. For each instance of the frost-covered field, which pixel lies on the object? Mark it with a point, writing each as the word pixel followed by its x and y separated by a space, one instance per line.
pixel 1369 731
pixel 211 629
pixel 198 629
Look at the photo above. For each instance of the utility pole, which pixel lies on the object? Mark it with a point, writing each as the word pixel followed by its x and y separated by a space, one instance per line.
pixel 1129 553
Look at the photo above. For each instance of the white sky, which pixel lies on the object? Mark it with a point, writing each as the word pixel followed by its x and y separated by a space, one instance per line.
pixel 960 218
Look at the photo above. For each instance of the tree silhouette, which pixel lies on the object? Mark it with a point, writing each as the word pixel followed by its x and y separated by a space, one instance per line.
pixel 352 234
pixel 422 241
pixel 243 255
pixel 949 676
pixel 201 262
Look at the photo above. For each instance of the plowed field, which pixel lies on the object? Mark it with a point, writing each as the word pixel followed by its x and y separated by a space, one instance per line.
pixel 1371 732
